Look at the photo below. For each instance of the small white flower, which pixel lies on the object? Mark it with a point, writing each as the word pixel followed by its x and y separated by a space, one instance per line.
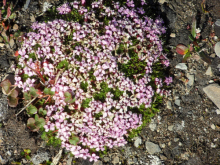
pixel 198 30
pixel 46 6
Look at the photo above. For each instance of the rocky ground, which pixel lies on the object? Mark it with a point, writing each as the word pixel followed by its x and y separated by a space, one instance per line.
pixel 187 129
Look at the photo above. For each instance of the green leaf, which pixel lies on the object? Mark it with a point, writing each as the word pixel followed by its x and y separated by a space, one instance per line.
pixel 6 84
pixel 28 151
pixel 44 136
pixel 40 122
pixel 33 92
pixel 27 96
pixel 28 157
pixel 193 29
pixel 36 117
pixel 32 109
pixel 74 140
pixel 67 95
pixel 22 153
pixel 51 92
pixel 62 64
pixel 46 91
pixel 42 112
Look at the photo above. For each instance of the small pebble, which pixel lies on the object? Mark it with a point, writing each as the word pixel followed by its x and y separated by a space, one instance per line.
pixel 217 49
pixel 213 126
pixel 172 35
pixel 217 22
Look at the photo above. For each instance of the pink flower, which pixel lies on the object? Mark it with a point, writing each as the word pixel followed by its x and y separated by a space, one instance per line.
pixel 64 9
pixel 83 2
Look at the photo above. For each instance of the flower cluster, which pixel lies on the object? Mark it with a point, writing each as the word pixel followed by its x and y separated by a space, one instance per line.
pixel 90 56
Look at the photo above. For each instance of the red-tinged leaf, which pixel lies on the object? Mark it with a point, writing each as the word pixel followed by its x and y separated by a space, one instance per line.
pixel 12 101
pixel 8 11
pixel 6 84
pixel 16 53
pixel 14 93
pixel 182 49
pixel 31 125
pixel 4 2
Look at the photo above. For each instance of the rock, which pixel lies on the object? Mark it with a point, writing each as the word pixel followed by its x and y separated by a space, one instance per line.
pixel 217 22
pixel 32 18
pixel 217 49
pixel 98 163
pixel 176 139
pixel 218 111
pixel 11 42
pixel 2 45
pixel 189 84
pixel 177 102
pixel 213 92
pixel 15 27
pixel 154 160
pixel 3 110
pixel 152 148
pixel 106 159
pixel 163 145
pixel 169 105
pixel 181 66
pixel 209 71
pixel 152 125
pixel 213 126
pixel 40 157
pixel 162 1
pixel 212 55
pixel 173 35
pixel 69 161
pixel 170 128
pixel 115 160
pixel 137 141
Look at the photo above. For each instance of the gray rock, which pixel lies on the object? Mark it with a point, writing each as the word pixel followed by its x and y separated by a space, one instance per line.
pixel 3 108
pixel 181 66
pixel 137 141
pixel 177 102
pixel 69 161
pixel 169 105
pixel 154 160
pixel 209 71
pixel 40 157
pixel 115 160
pixel 217 49
pixel 106 159
pixel 152 125
pixel 2 161
pixel 217 22
pixel 190 83
pixel 170 128
pixel 213 92
pixel 98 163
pixel 152 148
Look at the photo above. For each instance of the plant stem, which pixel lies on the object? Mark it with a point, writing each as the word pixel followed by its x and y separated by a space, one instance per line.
pixel 26 106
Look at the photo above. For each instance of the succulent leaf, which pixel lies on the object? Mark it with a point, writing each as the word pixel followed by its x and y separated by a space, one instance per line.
pixel 32 110
pixel 12 101
pixel 6 84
